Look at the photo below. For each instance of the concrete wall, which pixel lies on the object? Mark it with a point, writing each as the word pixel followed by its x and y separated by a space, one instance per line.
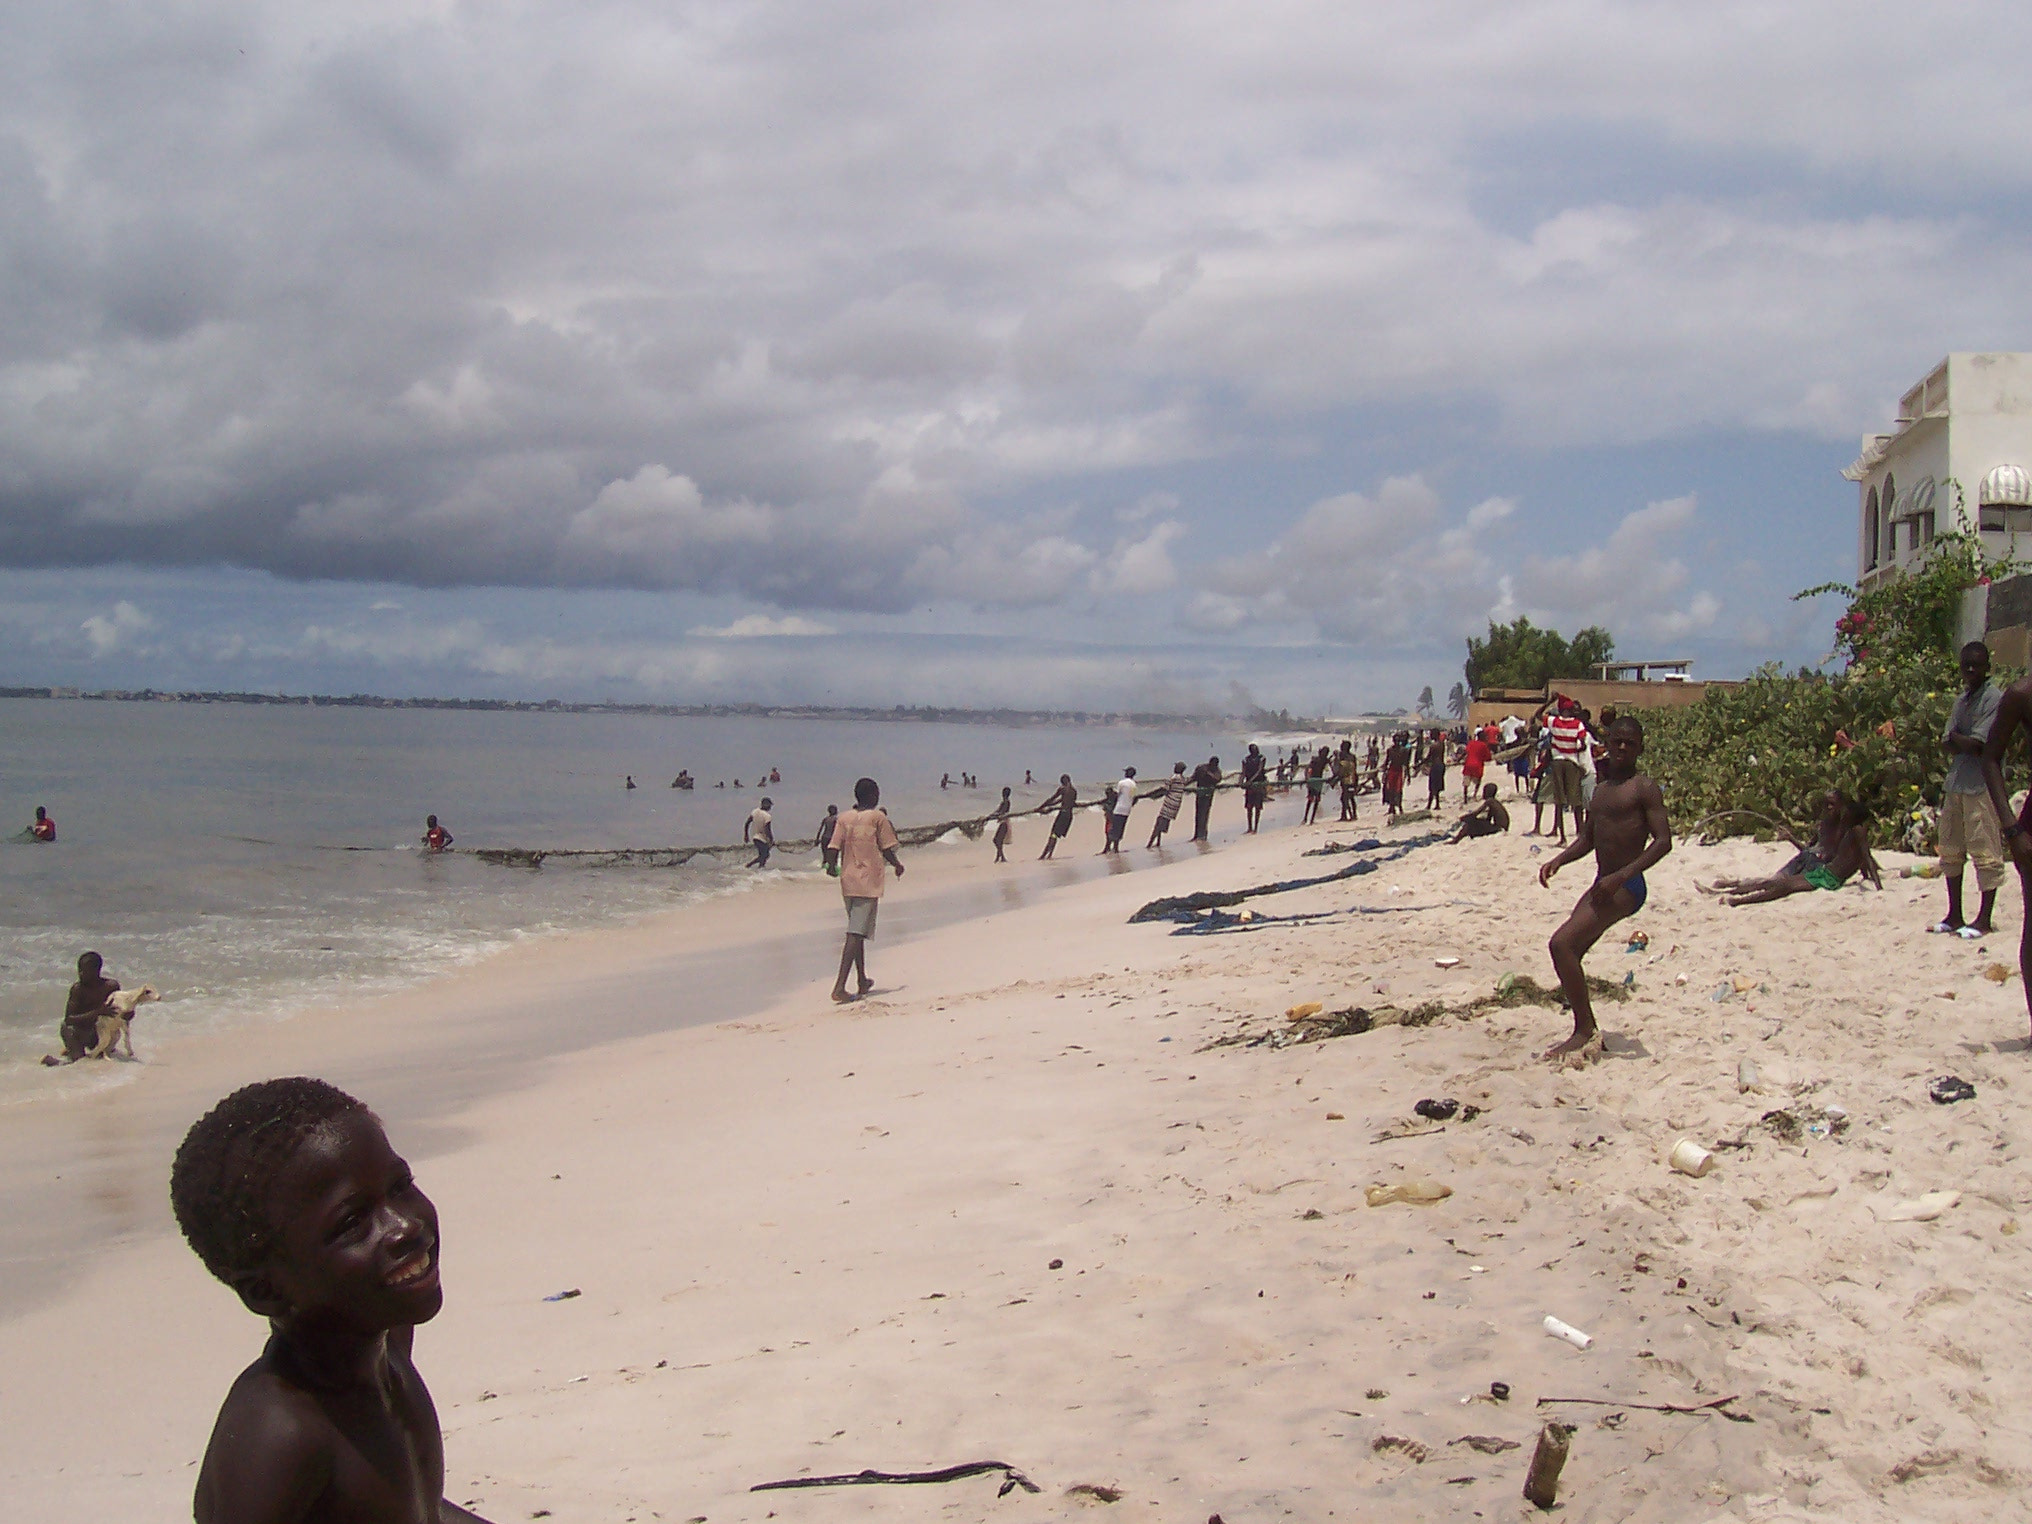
pixel 1595 696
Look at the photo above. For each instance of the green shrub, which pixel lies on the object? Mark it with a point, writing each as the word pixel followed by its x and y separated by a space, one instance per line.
pixel 1776 743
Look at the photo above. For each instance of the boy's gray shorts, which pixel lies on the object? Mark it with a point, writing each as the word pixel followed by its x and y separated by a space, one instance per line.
pixel 861 915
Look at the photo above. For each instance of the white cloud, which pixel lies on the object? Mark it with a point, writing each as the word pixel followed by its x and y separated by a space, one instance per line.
pixel 762 626
pixel 110 632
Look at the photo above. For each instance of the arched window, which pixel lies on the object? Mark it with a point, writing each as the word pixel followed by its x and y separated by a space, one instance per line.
pixel 1870 533
pixel 1890 530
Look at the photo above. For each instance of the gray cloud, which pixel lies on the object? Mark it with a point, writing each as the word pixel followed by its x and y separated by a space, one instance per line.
pixel 769 301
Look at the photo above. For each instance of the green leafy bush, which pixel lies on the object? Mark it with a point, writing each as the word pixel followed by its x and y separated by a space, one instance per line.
pixel 1774 744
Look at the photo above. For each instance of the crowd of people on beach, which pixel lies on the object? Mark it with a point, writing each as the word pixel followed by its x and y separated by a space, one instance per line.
pixel 291 1194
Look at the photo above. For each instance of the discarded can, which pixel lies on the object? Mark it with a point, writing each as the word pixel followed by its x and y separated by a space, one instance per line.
pixel 1689 1158
pixel 1568 1332
pixel 1541 1482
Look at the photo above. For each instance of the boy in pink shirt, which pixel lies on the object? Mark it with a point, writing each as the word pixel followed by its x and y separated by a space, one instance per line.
pixel 865 841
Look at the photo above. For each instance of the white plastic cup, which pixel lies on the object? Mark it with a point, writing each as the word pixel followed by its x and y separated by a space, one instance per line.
pixel 1568 1332
pixel 1689 1158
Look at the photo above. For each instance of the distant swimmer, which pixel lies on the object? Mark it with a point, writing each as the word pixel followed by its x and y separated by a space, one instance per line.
pixel 737 783
pixel 1027 780
pixel 435 837
pixel 759 832
pixel 775 776
pixel 683 780
pixel 42 828
pixel 631 780
pixel 90 998
pixel 945 780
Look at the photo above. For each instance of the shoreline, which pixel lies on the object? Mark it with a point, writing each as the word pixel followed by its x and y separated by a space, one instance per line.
pixel 488 1024
pixel 814 1240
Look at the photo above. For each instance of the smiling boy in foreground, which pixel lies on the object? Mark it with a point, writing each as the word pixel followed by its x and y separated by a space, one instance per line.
pixel 289 1192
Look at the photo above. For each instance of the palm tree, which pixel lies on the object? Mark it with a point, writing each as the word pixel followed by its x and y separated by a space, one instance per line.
pixel 1457 702
pixel 1425 699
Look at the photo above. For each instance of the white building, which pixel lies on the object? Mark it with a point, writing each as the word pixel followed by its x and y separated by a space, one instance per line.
pixel 1960 457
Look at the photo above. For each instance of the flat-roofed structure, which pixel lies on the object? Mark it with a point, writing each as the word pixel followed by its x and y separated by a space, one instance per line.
pixel 1958 457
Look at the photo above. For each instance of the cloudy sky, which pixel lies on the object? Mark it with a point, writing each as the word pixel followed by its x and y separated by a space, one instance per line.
pixel 1053 354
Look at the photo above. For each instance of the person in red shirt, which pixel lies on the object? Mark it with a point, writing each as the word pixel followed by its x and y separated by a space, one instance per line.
pixel 44 829
pixel 435 837
pixel 1478 753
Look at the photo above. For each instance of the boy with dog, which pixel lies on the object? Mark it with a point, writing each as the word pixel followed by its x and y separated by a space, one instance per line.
pixel 289 1192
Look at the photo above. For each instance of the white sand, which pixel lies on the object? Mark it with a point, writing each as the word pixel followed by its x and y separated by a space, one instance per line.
pixel 818 1240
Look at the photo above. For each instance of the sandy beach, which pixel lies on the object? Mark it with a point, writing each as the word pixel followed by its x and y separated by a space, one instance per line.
pixel 1015 1207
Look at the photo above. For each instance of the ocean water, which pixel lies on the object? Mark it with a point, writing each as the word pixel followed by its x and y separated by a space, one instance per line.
pixel 248 860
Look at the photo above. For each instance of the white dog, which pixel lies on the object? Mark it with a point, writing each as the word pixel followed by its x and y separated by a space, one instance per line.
pixel 114 1024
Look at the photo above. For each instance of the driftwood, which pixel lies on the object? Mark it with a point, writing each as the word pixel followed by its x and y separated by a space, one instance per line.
pixel 1648 1407
pixel 1012 1478
pixel 1541 1482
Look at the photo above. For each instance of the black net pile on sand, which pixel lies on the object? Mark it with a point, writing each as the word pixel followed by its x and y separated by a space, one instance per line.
pixel 1186 907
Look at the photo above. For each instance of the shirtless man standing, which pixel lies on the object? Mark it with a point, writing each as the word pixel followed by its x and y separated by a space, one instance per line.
pixel 1628 832
pixel 2014 714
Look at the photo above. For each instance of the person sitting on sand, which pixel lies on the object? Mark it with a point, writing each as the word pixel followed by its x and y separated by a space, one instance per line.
pixel 1488 818
pixel 1065 801
pixel 435 837
pixel 289 1192
pixel 1842 852
pixel 90 998
pixel 866 840
pixel 42 828
pixel 758 831
pixel 1628 832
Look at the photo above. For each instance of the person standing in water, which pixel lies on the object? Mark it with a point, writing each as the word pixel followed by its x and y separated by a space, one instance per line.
pixel 42 828
pixel 1065 801
pixel 1255 788
pixel 435 837
pixel 828 854
pixel 1628 832
pixel 1001 819
pixel 1205 779
pixel 866 840
pixel 758 830
pixel 1122 800
pixel 1174 798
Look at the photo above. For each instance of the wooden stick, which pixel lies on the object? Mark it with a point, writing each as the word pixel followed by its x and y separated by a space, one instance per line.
pixel 1649 1407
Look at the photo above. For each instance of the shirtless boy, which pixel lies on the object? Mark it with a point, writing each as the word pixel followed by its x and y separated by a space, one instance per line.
pixel 1628 833
pixel 2014 713
pixel 290 1194
pixel 1841 850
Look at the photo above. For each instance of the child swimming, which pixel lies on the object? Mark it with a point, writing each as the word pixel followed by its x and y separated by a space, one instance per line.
pixel 289 1192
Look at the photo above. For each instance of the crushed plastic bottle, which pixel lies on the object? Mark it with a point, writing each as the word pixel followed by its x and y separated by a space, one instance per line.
pixel 1418 1192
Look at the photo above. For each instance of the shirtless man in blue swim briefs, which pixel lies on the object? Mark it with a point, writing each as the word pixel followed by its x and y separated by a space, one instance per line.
pixel 1628 832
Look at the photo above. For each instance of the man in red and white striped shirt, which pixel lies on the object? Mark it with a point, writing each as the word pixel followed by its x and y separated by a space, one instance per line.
pixel 1569 745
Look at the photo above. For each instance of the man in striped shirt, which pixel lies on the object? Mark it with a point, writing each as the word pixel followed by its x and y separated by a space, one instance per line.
pixel 1570 741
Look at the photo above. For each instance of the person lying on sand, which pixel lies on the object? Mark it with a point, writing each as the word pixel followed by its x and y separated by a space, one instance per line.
pixel 1488 818
pixel 290 1194
pixel 1841 851
pixel 1628 831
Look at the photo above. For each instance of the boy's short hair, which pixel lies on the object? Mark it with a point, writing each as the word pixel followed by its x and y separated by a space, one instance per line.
pixel 1629 722
pixel 1974 647
pixel 218 1186
pixel 866 792
pixel 89 964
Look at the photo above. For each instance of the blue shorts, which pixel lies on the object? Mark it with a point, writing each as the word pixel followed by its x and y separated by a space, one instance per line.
pixel 1639 891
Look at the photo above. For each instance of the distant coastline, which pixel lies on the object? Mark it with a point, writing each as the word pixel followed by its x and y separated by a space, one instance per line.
pixel 1279 720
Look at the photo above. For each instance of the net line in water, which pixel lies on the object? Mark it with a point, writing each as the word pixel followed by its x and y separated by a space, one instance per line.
pixel 973 828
